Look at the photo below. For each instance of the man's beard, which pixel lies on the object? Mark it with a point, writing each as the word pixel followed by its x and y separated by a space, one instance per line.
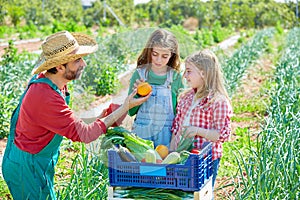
pixel 73 75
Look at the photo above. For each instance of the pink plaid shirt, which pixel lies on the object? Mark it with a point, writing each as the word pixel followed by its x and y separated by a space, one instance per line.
pixel 214 116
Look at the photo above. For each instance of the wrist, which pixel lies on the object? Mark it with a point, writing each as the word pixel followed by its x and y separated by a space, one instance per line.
pixel 205 131
pixel 202 132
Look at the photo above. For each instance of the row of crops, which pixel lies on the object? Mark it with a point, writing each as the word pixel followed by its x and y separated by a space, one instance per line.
pixel 235 66
pixel 273 167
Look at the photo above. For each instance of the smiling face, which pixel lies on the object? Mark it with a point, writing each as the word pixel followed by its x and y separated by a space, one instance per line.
pixel 194 77
pixel 160 58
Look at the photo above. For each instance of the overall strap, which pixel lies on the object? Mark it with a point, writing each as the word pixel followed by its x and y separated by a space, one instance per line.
pixel 143 73
pixel 53 86
pixel 169 80
pixel 15 115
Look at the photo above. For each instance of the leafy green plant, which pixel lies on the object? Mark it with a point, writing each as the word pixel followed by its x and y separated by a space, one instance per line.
pixel 279 28
pixel 243 144
pixel 219 33
pixel 28 31
pixel 207 38
pixel 4 191
pixel 106 83
pixel 15 71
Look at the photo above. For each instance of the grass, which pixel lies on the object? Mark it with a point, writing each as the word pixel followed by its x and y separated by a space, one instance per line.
pixel 244 104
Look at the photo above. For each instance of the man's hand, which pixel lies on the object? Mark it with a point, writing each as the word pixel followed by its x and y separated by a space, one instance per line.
pixel 131 101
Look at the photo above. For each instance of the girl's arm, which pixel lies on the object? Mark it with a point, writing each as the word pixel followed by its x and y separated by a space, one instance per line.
pixel 212 135
pixel 175 127
pixel 221 119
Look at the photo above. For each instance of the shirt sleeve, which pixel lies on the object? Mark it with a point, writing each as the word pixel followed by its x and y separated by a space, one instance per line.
pixel 221 118
pixel 56 116
pixel 134 77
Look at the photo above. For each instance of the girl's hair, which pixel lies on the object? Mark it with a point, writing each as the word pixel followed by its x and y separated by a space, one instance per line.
pixel 207 62
pixel 163 39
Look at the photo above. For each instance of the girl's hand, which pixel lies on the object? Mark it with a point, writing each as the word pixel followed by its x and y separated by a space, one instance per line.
pixel 190 131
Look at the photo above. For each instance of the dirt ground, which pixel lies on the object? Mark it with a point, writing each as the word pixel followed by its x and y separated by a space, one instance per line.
pixel 28 45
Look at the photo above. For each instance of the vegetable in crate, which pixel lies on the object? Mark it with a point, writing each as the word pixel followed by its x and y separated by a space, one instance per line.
pixel 139 146
pixel 126 155
pixel 136 145
pixel 150 156
pixel 172 158
pixel 184 155
pixel 195 151
pixel 185 143
pixel 162 150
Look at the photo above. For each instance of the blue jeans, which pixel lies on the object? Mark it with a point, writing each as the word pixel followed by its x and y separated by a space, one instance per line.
pixel 215 169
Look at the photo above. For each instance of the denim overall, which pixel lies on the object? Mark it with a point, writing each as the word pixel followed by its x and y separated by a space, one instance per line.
pixel 30 176
pixel 155 116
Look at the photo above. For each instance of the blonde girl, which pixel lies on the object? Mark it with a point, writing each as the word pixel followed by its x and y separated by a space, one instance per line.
pixel 204 110
pixel 159 65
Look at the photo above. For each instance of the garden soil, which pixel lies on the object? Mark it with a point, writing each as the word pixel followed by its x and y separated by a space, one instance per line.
pixel 32 45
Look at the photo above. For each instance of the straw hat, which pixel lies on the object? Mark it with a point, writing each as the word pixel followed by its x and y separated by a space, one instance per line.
pixel 63 47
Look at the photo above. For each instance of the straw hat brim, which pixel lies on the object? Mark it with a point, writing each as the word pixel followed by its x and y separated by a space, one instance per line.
pixel 87 45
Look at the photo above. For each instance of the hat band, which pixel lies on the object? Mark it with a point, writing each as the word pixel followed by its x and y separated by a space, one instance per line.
pixel 65 49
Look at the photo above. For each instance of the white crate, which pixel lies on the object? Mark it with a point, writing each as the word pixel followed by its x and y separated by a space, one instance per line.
pixel 206 192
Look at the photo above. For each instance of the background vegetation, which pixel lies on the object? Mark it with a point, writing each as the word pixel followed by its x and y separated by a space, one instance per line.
pixel 44 17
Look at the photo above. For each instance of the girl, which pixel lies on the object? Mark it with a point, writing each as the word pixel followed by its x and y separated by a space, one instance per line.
pixel 204 110
pixel 159 65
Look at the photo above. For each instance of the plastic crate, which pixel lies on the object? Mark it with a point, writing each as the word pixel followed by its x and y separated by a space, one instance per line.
pixel 190 176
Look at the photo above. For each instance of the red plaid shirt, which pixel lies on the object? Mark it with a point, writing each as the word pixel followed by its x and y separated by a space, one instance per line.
pixel 209 116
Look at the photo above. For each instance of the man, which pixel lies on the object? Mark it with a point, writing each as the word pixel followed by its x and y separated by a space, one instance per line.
pixel 43 117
